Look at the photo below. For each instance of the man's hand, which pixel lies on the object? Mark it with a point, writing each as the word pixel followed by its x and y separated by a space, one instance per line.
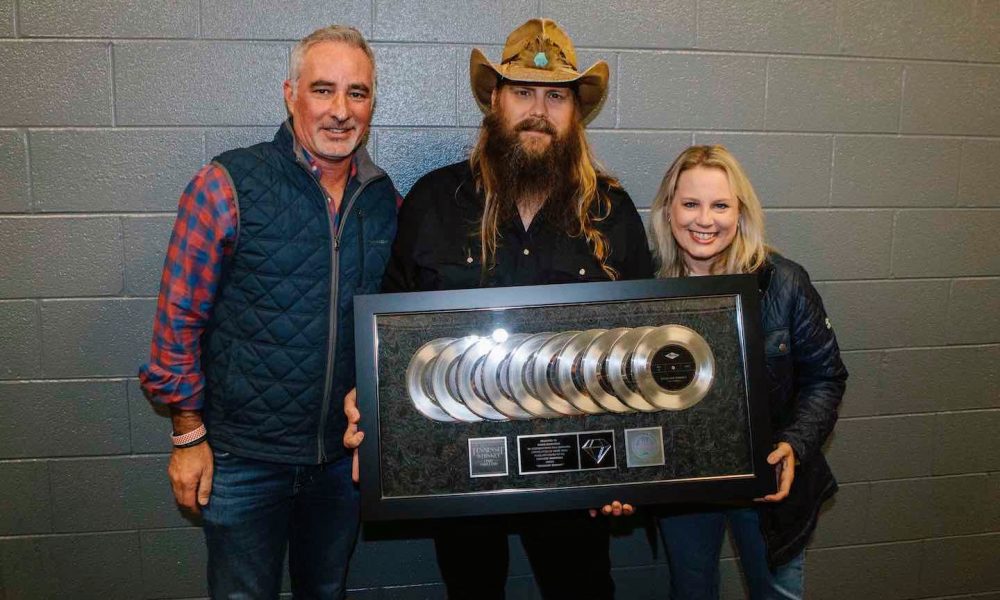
pixel 353 437
pixel 190 472
pixel 615 509
pixel 783 459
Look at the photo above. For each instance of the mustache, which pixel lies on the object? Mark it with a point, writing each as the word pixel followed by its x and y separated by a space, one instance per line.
pixel 539 124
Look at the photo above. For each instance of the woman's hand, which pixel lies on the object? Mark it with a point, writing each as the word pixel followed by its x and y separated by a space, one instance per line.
pixel 783 459
pixel 615 509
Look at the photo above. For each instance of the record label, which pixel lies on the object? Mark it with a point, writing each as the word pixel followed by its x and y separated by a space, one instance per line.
pixel 673 367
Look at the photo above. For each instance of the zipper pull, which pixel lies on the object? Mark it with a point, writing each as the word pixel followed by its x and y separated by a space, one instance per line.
pixel 336 243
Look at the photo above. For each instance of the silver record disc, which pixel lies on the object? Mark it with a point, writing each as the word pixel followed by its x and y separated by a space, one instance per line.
pixel 592 371
pixel 619 369
pixel 540 377
pixel 418 380
pixel 568 380
pixel 444 384
pixel 469 386
pixel 521 363
pixel 493 377
pixel 673 367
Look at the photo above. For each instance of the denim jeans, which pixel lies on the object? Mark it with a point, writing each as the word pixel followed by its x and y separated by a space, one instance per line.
pixel 258 509
pixel 694 542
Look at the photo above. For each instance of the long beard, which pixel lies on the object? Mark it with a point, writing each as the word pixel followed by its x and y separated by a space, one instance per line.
pixel 523 174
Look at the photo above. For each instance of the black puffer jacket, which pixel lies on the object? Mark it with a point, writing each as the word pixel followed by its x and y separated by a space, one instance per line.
pixel 807 380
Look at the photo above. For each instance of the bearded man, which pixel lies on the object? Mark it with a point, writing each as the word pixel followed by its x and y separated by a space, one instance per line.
pixel 531 206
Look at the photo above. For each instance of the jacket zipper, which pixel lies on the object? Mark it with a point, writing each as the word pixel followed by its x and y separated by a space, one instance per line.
pixel 335 232
pixel 361 241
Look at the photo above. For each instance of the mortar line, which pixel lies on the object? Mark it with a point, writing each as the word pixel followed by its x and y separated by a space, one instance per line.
pixel 892 245
pixel 121 237
pixel 201 17
pixel 767 84
pixel 27 163
pixel 112 90
pixel 902 94
pixel 618 90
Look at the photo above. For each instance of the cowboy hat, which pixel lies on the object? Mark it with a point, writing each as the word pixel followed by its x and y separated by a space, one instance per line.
pixel 538 53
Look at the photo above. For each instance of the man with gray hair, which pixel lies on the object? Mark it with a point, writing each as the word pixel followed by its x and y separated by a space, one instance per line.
pixel 253 342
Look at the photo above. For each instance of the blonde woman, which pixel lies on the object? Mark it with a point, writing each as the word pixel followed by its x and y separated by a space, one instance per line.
pixel 706 220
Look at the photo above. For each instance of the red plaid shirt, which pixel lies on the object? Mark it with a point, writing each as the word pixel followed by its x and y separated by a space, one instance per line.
pixel 203 235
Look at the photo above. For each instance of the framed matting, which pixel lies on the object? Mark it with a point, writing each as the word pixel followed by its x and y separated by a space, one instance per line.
pixel 527 399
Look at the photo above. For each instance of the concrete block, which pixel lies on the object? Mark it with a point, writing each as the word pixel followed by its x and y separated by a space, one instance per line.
pixel 842 519
pixel 20 343
pixel 113 493
pixel 972 311
pixel 806 94
pixel 960 565
pixel 474 21
pixel 408 154
pixel 785 170
pixel 963 242
pixel 886 314
pixel 960 505
pixel 670 91
pixel 105 566
pixel 145 246
pixel 242 19
pixel 864 388
pixel 884 171
pixel 215 83
pixel 69 418
pixel 869 449
pixel 36 78
pixel 25 497
pixel 109 18
pixel 918 29
pixel 183 575
pixel 15 193
pixel 834 244
pixel 86 261
pixel 993 502
pixel 149 423
pixel 607 115
pixel 95 338
pixel 976 186
pixel 966 442
pixel 638 159
pixel 218 140
pixel 900 510
pixel 123 170
pixel 417 85
pixel 883 571
pixel 950 99
pixel 393 562
pixel 632 23
pixel 939 379
pixel 767 26
pixel 6 18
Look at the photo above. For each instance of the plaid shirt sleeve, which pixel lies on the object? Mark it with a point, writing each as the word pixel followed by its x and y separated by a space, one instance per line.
pixel 203 235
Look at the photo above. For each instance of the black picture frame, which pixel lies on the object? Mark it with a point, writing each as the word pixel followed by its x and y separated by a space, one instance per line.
pixel 382 458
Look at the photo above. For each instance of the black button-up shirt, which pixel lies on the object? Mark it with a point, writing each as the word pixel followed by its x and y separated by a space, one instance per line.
pixel 437 245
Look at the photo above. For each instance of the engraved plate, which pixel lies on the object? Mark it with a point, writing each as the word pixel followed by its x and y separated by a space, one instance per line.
pixel 566 452
pixel 488 457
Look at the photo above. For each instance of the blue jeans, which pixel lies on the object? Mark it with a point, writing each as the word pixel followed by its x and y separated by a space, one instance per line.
pixel 258 509
pixel 694 542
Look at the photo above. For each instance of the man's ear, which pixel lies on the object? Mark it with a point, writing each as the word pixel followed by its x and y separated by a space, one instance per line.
pixel 494 96
pixel 288 91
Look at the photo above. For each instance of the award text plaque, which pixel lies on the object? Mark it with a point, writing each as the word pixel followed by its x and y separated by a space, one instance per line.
pixel 560 397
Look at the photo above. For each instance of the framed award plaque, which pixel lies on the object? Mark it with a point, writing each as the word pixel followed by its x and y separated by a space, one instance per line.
pixel 527 399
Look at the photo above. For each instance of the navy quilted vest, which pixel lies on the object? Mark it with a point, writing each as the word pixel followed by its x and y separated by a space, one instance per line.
pixel 274 335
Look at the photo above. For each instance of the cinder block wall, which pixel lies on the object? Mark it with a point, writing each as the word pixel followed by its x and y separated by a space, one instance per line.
pixel 871 129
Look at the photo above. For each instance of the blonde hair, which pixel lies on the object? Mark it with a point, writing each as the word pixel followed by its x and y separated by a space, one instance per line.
pixel 748 250
pixel 592 202
pixel 332 33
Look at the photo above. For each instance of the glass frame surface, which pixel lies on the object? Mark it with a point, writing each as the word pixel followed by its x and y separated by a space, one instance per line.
pixel 403 476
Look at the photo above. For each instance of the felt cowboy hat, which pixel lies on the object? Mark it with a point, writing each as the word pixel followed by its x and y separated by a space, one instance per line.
pixel 539 53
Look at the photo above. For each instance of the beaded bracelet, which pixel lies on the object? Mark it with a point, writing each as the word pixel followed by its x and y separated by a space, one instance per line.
pixel 191 438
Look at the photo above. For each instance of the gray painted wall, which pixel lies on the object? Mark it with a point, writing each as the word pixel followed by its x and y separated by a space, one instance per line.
pixel 871 129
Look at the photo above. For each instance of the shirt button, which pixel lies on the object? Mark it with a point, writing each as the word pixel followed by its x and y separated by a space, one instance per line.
pixel 782 347
pixel 468 260
pixel 527 252
pixel 583 271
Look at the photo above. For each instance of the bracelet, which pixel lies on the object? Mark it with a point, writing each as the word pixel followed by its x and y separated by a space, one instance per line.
pixel 191 438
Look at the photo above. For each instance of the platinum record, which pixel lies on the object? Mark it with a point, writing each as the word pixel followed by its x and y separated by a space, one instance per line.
pixel 568 377
pixel 592 371
pixel 466 380
pixel 418 377
pixel 620 372
pixel 673 367
pixel 493 377
pixel 518 371
pixel 444 383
